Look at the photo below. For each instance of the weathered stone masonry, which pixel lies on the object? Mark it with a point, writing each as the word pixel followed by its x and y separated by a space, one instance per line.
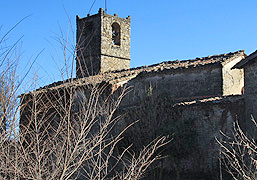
pixel 103 44
pixel 199 122
pixel 194 98
pixel 249 65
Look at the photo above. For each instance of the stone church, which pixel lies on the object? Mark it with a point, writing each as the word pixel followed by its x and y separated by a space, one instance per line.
pixel 195 98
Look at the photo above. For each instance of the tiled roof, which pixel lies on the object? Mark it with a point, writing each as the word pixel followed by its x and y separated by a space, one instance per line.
pixel 123 75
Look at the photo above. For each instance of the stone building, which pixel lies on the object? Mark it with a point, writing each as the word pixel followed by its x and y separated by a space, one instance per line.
pixel 194 98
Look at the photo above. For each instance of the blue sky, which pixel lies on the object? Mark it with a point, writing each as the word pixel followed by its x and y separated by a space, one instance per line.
pixel 160 30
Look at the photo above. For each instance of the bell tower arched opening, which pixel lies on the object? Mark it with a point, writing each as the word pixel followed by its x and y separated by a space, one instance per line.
pixel 116 34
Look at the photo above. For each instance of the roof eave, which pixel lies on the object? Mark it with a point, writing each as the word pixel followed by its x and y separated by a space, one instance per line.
pixel 247 61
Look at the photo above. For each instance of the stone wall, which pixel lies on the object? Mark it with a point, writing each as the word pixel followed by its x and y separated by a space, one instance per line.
pixel 233 79
pixel 109 63
pixel 97 52
pixel 250 88
pixel 107 46
pixel 88 66
pixel 179 84
pixel 193 152
pixel 88 45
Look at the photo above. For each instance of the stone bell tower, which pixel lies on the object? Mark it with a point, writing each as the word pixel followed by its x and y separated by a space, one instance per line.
pixel 103 44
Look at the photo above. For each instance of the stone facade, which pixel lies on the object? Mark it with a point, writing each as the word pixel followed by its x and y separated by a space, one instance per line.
pixel 249 65
pixel 251 92
pixel 191 79
pixel 103 44
pixel 193 152
pixel 109 63
pixel 233 78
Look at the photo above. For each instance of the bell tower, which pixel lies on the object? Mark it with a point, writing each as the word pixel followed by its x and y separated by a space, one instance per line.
pixel 103 44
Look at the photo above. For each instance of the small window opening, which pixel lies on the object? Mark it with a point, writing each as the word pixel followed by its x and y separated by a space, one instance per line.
pixel 116 33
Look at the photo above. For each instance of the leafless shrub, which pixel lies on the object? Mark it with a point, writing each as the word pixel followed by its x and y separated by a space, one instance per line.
pixel 239 154
pixel 65 132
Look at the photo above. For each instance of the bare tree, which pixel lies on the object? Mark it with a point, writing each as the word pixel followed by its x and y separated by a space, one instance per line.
pixel 65 131
pixel 239 154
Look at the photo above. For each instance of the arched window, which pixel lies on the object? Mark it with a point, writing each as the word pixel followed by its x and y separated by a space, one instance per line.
pixel 116 33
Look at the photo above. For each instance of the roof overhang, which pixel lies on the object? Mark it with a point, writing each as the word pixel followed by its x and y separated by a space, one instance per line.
pixel 247 61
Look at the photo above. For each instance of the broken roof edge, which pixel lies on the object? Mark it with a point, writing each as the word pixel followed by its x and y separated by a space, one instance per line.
pixel 115 76
pixel 248 60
